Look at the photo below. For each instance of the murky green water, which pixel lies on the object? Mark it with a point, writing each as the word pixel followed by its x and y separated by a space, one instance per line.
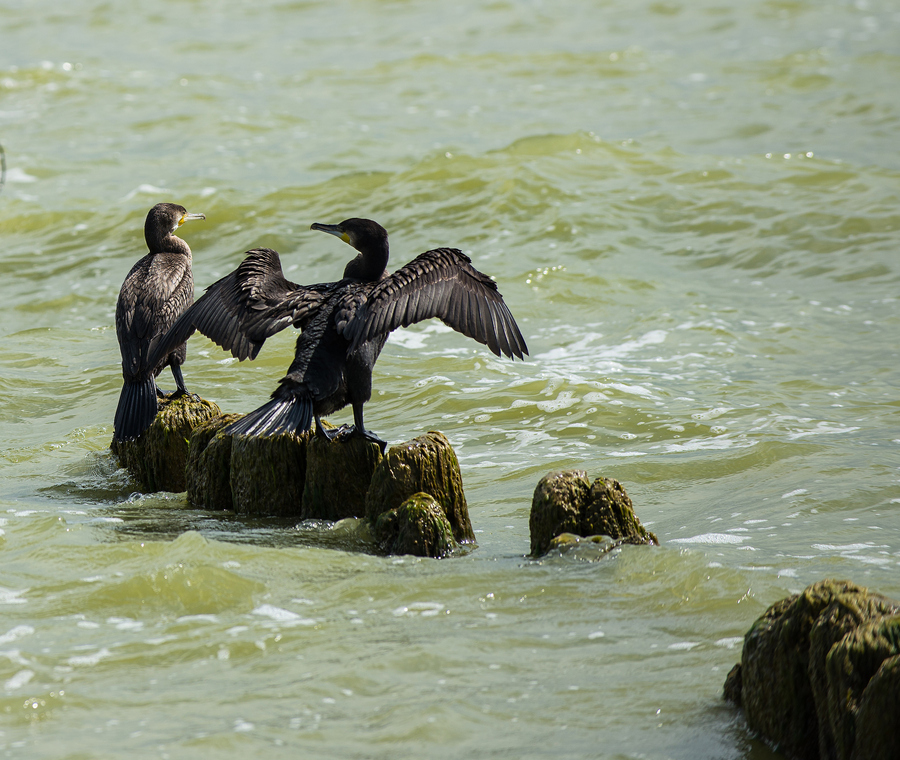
pixel 692 210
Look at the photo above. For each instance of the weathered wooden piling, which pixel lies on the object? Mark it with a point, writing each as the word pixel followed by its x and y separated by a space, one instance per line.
pixel 567 502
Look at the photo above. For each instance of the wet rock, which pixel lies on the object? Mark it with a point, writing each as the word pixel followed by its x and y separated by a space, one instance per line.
pixel 879 714
pixel 589 548
pixel 268 474
pixel 158 457
pixel 418 526
pixel 556 507
pixel 609 512
pixel 733 685
pixel 208 472
pixel 413 495
pixel 787 677
pixel 426 464
pixel 338 474
pixel 567 502
pixel 843 615
pixel 868 651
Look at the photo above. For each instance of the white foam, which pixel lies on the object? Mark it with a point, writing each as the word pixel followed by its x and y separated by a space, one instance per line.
pixel 90 659
pixel 710 538
pixel 19 680
pixel 13 634
pixel 281 615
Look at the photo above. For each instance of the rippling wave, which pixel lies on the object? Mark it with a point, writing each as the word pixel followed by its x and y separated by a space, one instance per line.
pixel 690 208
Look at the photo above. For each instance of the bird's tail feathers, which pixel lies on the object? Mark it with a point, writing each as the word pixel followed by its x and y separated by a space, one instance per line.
pixel 136 410
pixel 280 415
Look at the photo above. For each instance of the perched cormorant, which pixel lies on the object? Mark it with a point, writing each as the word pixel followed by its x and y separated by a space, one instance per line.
pixel 344 324
pixel 156 291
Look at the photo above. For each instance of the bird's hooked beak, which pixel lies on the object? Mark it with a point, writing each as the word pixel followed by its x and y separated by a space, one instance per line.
pixel 188 216
pixel 332 229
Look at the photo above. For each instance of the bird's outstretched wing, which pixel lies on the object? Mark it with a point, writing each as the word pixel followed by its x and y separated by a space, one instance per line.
pixel 440 283
pixel 245 307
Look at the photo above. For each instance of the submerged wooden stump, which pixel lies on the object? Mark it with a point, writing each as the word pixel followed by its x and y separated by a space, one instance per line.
pixel 208 471
pixel 418 526
pixel 268 474
pixel 863 677
pixel 428 465
pixel 412 497
pixel 338 474
pixel 158 457
pixel 878 709
pixel 813 673
pixel 568 503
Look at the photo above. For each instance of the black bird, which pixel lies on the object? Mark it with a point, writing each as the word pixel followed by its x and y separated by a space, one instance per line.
pixel 344 324
pixel 156 291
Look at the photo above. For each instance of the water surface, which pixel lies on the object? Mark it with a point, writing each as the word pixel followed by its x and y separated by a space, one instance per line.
pixel 692 210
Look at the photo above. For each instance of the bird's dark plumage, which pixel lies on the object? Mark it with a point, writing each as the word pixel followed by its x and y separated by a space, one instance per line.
pixel 344 324
pixel 156 291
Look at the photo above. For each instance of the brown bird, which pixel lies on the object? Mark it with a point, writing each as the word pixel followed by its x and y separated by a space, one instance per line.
pixel 156 291
pixel 344 324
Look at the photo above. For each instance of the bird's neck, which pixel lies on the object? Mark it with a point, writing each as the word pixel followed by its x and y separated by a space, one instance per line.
pixel 168 243
pixel 369 265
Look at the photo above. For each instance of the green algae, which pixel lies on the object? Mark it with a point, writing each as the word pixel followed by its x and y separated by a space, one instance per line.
pixel 268 474
pixel 208 471
pixel 426 464
pixel 806 665
pixel 157 458
pixel 567 502
pixel 418 526
pixel 338 474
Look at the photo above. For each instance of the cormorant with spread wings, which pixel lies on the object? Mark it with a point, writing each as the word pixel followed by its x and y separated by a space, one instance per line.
pixel 344 324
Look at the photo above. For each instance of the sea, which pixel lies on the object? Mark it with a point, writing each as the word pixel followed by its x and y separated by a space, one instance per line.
pixel 691 208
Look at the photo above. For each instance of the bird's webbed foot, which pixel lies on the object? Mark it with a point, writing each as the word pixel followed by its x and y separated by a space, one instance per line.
pixel 329 434
pixel 354 431
pixel 178 393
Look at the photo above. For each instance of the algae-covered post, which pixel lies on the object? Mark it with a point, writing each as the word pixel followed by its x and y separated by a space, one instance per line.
pixel 567 502
pixel 428 465
pixel 157 458
pixel 813 672
pixel 268 473
pixel 418 526
pixel 412 496
pixel 338 474
pixel 208 469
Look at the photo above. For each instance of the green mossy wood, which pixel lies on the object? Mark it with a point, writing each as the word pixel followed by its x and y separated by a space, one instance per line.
pixel 556 508
pixel 158 457
pixel 567 502
pixel 609 512
pixel 426 464
pixel 412 496
pixel 877 735
pixel 338 474
pixel 208 471
pixel 268 474
pixel 806 665
pixel 418 526
pixel 844 615
pixel 867 651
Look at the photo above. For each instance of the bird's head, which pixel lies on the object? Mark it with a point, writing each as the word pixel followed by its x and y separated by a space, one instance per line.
pixel 362 234
pixel 163 220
